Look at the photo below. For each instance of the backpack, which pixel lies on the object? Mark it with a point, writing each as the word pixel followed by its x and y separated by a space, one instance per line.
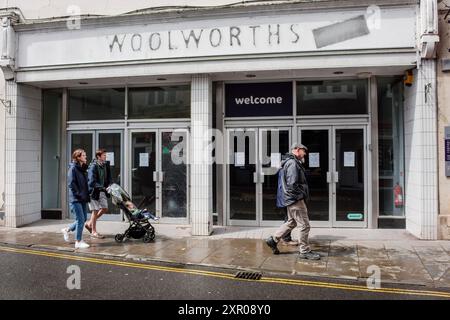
pixel 280 189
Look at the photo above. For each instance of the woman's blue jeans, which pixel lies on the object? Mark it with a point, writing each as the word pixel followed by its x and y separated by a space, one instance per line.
pixel 79 211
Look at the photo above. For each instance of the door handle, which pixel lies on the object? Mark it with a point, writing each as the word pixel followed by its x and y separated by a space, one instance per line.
pixel 255 177
pixel 336 177
pixel 262 178
pixel 155 176
pixel 161 176
pixel 328 177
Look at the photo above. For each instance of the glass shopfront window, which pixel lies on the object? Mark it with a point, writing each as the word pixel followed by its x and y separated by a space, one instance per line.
pixel 51 148
pixel 332 97
pixel 96 104
pixel 391 147
pixel 159 102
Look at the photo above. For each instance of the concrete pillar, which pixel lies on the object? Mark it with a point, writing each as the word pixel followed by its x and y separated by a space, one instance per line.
pixel 421 190
pixel 23 155
pixel 201 168
pixel 2 149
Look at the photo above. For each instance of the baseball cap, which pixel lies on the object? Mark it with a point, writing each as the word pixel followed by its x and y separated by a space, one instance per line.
pixel 297 145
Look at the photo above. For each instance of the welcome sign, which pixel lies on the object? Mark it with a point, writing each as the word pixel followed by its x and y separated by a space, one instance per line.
pixel 258 99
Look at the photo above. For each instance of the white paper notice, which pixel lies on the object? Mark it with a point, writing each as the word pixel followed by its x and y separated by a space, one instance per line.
pixel 349 159
pixel 275 160
pixel 239 159
pixel 110 158
pixel 143 160
pixel 314 160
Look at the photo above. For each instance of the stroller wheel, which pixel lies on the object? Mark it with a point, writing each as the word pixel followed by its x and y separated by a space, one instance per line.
pixel 118 238
pixel 149 236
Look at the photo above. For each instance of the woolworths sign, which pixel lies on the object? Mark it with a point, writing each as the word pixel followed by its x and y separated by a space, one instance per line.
pixel 230 37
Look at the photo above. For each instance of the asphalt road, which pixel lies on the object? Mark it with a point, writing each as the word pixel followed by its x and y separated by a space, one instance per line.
pixel 39 274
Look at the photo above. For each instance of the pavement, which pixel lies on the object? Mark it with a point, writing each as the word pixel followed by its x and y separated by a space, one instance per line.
pixel 353 254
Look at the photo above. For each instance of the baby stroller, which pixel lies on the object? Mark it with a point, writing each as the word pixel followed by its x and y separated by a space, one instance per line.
pixel 140 227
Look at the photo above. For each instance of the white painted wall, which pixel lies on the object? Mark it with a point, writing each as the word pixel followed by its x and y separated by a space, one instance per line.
pixel 421 186
pixel 2 142
pixel 23 155
pixel 443 121
pixel 38 9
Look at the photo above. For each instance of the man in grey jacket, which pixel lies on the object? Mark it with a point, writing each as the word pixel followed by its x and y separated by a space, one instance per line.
pixel 293 193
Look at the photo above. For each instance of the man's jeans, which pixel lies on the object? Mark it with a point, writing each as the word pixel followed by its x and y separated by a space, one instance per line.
pixel 297 216
pixel 79 211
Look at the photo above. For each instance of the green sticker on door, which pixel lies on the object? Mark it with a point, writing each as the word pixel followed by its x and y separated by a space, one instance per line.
pixel 355 216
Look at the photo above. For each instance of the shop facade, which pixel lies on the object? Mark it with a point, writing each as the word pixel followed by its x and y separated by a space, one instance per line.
pixel 197 108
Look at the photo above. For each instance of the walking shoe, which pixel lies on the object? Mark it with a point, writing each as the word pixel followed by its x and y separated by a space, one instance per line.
pixel 309 255
pixel 65 233
pixel 273 245
pixel 81 245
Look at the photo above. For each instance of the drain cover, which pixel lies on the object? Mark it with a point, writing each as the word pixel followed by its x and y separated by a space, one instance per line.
pixel 248 275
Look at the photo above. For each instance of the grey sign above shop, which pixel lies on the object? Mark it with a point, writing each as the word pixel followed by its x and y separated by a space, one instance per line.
pixel 266 99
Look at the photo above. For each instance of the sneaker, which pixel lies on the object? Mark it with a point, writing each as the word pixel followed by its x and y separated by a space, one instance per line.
pixel 272 244
pixel 81 245
pixel 65 233
pixel 309 255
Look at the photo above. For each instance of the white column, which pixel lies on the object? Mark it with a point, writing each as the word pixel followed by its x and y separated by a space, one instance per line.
pixel 2 150
pixel 23 155
pixel 421 192
pixel 201 169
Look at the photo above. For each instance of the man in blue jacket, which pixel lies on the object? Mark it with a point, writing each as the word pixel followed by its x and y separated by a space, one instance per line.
pixel 293 193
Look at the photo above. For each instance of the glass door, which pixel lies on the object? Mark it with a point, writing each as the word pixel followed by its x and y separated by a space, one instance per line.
pixel 242 177
pixel 143 166
pixel 318 162
pixel 350 177
pixel 159 173
pixel 336 171
pixel 255 155
pixel 173 175
pixel 111 141
pixel 273 146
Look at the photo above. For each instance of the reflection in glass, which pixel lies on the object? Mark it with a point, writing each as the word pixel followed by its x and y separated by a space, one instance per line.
pixel 241 168
pixel 96 104
pixel 143 160
pixel 174 185
pixel 350 168
pixel 317 166
pixel 275 144
pixel 332 97
pixel 391 157
pixel 82 141
pixel 111 142
pixel 159 102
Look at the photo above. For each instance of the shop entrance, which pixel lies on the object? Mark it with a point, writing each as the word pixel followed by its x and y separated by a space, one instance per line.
pixel 111 141
pixel 254 155
pixel 159 172
pixel 337 175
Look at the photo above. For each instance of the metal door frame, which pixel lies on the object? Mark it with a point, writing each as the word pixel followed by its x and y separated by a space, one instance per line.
pixel 329 129
pixel 332 222
pixel 157 174
pixel 352 224
pixel 95 139
pixel 260 198
pixel 257 180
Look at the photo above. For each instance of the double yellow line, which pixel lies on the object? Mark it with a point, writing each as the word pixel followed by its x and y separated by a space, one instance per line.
pixel 286 281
